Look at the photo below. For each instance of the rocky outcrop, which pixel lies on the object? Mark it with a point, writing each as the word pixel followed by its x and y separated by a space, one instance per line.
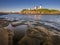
pixel 40 35
pixel 35 35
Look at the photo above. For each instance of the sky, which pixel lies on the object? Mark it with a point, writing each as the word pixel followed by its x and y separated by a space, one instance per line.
pixel 18 5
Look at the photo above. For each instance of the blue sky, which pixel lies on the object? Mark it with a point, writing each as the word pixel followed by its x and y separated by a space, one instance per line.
pixel 17 5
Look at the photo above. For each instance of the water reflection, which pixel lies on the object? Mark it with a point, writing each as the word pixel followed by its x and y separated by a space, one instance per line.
pixel 55 18
pixel 37 17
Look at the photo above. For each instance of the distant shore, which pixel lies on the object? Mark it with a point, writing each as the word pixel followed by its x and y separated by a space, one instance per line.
pixel 39 14
pixel 28 14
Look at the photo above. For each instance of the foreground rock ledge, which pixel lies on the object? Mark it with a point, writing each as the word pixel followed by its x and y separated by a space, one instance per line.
pixel 40 35
pixel 6 36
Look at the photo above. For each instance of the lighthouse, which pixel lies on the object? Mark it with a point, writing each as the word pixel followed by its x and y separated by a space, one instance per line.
pixel 40 7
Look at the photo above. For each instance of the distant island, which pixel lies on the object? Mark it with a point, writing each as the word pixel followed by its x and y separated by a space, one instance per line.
pixel 39 11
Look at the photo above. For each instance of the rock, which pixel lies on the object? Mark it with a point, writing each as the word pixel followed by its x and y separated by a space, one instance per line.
pixel 4 23
pixel 40 35
pixel 6 36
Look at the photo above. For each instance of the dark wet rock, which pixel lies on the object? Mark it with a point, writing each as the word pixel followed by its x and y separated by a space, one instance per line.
pixel 4 23
pixel 56 40
pixel 40 35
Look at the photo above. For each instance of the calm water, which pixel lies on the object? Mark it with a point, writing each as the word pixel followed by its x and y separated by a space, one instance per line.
pixel 55 18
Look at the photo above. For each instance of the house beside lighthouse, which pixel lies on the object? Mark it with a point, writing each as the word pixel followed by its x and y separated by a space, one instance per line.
pixel 36 7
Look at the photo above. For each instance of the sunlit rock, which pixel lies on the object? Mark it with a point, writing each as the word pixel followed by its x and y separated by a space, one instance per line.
pixel 6 36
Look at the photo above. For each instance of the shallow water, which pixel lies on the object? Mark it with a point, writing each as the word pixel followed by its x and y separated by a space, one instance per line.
pixel 55 18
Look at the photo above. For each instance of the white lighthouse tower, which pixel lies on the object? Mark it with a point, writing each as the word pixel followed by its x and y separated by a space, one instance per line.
pixel 40 7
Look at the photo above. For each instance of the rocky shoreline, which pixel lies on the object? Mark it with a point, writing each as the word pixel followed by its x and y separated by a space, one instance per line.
pixel 34 35
pixel 38 14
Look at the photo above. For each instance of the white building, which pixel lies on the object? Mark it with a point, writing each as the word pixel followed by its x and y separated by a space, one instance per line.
pixel 29 8
pixel 36 7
